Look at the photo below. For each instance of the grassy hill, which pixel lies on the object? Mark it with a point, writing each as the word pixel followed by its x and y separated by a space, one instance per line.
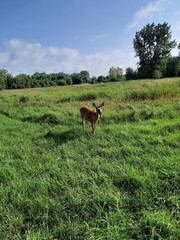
pixel 58 183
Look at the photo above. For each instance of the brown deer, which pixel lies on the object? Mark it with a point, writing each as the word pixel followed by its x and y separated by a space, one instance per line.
pixel 91 116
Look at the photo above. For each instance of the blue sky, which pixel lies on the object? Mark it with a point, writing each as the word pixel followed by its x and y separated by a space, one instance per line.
pixel 74 35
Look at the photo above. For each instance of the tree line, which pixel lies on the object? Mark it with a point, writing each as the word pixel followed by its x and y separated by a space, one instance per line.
pixel 152 45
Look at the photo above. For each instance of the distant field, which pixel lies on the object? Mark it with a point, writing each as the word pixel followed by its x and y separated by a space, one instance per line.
pixel 58 183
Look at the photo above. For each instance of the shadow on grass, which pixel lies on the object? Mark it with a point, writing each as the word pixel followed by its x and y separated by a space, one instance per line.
pixel 46 118
pixel 4 113
pixel 62 137
pixel 128 184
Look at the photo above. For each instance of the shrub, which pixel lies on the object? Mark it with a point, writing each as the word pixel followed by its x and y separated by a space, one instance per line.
pixel 62 83
pixel 24 99
pixel 87 97
pixel 157 74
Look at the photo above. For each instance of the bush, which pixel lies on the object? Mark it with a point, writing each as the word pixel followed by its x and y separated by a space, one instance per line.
pixel 157 74
pixel 62 83
pixel 87 97
pixel 24 99
pixel 52 83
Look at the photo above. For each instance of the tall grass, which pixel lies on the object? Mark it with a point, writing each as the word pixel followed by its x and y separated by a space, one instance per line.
pixel 58 183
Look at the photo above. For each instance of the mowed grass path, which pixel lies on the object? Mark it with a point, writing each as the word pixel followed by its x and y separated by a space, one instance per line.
pixel 58 183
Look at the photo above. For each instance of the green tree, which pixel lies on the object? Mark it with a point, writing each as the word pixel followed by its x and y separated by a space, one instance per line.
pixel 116 74
pixel 112 73
pixel 172 67
pixel 131 74
pixel 153 46
pixel 5 79
pixel 177 73
pixel 84 76
pixel 9 80
pixel 93 80
pixel 68 79
pixel 76 78
pixel 100 79
pixel 179 48
pixel 22 81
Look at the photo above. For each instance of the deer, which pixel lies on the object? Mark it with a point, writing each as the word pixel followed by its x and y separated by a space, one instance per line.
pixel 92 116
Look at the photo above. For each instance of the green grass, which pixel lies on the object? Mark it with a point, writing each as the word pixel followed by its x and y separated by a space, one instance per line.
pixel 58 183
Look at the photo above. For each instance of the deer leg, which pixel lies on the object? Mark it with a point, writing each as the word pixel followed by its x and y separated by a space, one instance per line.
pixel 83 124
pixel 94 128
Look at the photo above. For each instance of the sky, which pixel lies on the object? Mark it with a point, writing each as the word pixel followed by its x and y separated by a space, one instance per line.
pixel 75 35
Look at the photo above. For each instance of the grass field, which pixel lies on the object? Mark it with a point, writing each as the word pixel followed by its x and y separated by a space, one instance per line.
pixel 123 183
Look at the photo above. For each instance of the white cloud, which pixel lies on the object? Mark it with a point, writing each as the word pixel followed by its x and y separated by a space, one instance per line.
pixel 3 58
pixel 101 62
pixel 20 57
pixel 63 52
pixel 176 36
pixel 147 11
pixel 97 37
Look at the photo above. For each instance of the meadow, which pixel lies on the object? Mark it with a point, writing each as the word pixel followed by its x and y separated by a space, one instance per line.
pixel 57 182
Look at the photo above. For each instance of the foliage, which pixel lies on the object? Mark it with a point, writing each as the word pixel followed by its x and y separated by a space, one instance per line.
pixel 62 83
pixel 5 79
pixel 100 79
pixel 131 74
pixel 153 46
pixel 179 48
pixel 93 80
pixel 84 76
pixel 2 80
pixel 177 73
pixel 59 183
pixel 115 74
pixel 172 68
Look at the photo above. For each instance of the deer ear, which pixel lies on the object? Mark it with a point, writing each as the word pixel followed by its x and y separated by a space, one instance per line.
pixel 102 104
pixel 94 105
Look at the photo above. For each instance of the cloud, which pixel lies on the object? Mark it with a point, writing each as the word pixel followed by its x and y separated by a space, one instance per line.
pixel 101 62
pixel 147 11
pixel 176 36
pixel 97 37
pixel 63 52
pixel 18 56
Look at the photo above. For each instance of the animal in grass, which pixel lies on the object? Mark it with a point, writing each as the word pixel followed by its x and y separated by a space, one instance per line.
pixel 91 116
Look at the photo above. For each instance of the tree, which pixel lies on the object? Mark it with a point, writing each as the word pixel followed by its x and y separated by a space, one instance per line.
pixel 93 80
pixel 153 46
pixel 2 79
pixel 116 74
pixel 172 67
pixel 5 79
pixel 131 74
pixel 84 76
pixel 177 73
pixel 68 79
pixel 179 48
pixel 22 81
pixel 112 73
pixel 100 79
pixel 76 78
